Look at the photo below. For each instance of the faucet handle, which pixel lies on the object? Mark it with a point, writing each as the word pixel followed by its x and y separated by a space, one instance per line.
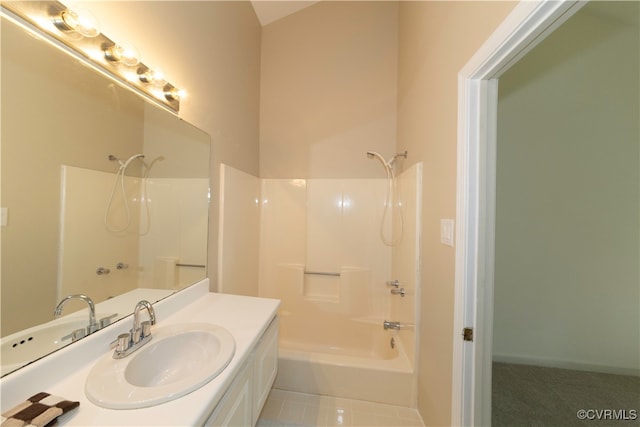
pixel 394 283
pixel 106 321
pixel 396 291
pixel 121 343
pixel 146 328
pixel 75 335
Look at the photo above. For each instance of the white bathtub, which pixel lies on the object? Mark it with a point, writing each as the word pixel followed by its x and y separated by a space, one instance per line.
pixel 350 358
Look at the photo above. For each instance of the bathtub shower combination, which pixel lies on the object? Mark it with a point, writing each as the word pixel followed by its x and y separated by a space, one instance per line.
pixel 343 357
pixel 342 256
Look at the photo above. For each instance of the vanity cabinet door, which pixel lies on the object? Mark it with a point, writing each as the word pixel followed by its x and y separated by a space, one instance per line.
pixel 265 367
pixel 235 408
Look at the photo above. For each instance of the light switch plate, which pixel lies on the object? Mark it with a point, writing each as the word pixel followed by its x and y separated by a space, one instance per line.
pixel 4 216
pixel 446 232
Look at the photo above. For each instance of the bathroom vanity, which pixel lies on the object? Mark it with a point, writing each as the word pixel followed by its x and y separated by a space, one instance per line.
pixel 234 397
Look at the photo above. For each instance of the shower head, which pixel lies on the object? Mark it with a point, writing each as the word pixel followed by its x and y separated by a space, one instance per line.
pixel 376 155
pixel 125 164
pixel 113 158
pixel 132 158
pixel 387 165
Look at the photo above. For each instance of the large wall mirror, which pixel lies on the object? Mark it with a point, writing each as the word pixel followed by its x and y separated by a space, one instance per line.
pixel 103 193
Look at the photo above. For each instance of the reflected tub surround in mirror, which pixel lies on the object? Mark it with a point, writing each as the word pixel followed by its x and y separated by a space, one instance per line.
pixel 77 222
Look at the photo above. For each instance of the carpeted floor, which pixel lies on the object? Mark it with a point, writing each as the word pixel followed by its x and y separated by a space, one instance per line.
pixel 535 396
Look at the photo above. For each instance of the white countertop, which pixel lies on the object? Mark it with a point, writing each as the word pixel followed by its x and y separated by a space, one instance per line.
pixel 63 373
pixel 120 306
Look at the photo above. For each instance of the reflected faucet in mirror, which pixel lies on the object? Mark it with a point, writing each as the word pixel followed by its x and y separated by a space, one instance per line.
pixel 93 325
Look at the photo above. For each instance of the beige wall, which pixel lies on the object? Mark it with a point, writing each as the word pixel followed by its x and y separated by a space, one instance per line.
pixel 436 39
pixel 567 197
pixel 328 91
pixel 37 139
pixel 211 49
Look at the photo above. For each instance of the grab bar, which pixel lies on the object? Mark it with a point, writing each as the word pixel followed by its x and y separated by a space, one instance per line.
pixel 191 265
pixel 322 273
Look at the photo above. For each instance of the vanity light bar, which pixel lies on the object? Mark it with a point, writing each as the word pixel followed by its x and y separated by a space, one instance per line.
pixel 80 33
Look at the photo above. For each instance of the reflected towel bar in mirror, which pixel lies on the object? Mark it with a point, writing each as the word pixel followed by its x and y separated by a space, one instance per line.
pixel 191 265
pixel 321 273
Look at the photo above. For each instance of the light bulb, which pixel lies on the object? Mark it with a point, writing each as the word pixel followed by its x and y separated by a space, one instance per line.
pixel 154 77
pixel 123 53
pixel 81 22
pixel 174 94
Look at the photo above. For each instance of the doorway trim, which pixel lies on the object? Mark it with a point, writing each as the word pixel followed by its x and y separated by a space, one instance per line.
pixel 526 26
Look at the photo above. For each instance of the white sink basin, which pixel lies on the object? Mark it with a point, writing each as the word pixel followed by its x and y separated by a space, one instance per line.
pixel 179 359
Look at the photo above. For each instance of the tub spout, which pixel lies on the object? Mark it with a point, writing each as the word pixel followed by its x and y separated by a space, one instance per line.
pixel 391 325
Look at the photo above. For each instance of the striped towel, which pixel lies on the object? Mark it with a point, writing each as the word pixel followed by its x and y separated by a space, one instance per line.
pixel 39 410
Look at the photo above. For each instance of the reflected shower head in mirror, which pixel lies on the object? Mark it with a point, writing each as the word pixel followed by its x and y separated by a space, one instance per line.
pixel 120 178
pixel 125 164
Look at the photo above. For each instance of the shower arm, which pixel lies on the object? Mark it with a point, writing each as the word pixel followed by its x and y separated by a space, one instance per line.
pixel 393 159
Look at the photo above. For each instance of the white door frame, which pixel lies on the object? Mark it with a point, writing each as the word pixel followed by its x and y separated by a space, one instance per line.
pixel 528 24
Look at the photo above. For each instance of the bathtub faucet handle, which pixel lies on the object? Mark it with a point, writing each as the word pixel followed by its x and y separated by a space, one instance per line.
pixel 394 283
pixel 396 291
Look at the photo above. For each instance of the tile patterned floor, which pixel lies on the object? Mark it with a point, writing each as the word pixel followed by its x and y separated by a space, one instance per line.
pixel 288 409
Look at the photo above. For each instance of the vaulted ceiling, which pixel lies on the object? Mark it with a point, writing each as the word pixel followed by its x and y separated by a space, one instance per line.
pixel 270 11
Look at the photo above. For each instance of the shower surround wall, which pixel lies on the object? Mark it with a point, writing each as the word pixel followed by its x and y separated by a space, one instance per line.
pixel 335 233
pixel 321 254
pixel 84 198
pixel 328 94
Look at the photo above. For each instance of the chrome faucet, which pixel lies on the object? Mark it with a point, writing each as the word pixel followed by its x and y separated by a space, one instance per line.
pixel 139 335
pixel 93 325
pixel 391 325
pixel 138 331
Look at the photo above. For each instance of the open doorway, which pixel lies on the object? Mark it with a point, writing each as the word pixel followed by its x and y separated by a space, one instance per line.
pixel 566 323
pixel 526 27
